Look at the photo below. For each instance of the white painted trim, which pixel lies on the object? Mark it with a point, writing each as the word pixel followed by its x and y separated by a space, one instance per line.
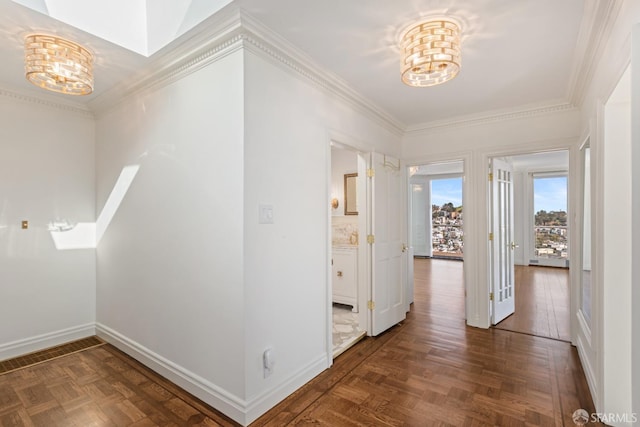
pixel 228 403
pixel 238 409
pixel 481 229
pixel 232 30
pixel 44 341
pixel 258 405
pixel 589 373
pixel 595 30
pixel 470 273
pixel 584 327
pixel 175 72
pixel 281 50
pixel 329 270
pixel 289 61
pixel 41 100
pixel 489 117
pixel 597 255
pixel 345 142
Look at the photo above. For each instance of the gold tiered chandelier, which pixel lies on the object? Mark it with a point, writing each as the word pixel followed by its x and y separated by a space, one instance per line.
pixel 430 52
pixel 58 65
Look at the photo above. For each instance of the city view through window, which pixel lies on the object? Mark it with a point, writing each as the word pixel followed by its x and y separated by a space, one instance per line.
pixel 550 220
pixel 550 217
pixel 447 217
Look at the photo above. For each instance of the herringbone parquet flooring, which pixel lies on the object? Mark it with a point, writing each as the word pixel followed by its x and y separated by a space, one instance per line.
pixel 430 370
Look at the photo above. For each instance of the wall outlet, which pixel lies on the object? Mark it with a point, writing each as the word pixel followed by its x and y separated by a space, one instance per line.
pixel 268 362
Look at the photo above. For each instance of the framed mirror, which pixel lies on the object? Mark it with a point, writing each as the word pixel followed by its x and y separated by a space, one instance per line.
pixel 350 199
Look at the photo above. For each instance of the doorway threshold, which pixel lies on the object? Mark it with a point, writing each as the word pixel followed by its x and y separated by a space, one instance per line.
pixel 339 348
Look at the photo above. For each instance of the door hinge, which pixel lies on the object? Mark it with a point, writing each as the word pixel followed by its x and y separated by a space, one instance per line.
pixel 490 176
pixel 371 173
pixel 371 239
pixel 491 237
pixel 490 296
pixel 371 305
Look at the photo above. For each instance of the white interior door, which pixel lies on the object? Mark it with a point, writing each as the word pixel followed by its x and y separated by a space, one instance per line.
pixel 387 242
pixel 502 244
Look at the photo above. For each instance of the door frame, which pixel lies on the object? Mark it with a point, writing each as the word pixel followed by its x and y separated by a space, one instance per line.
pixel 364 291
pixel 572 145
pixel 467 169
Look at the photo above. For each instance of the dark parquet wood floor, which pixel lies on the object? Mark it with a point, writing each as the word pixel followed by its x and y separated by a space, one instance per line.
pixel 430 370
pixel 542 303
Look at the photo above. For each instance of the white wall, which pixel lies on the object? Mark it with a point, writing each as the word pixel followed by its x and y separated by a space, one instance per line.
pixel 189 280
pixel 46 173
pixel 476 142
pixel 289 125
pixel 635 221
pixel 617 251
pixel 170 265
pixel 608 70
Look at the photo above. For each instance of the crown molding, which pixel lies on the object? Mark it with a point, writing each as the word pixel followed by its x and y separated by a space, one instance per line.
pixel 211 40
pixel 225 33
pixel 491 117
pixel 233 29
pixel 595 29
pixel 22 97
pixel 270 45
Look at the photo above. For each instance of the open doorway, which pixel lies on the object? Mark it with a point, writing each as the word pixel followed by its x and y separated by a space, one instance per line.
pixel 437 214
pixel 539 239
pixel 368 272
pixel 436 227
pixel 347 226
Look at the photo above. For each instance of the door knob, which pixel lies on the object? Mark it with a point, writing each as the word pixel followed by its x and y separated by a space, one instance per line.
pixel 513 246
pixel 404 248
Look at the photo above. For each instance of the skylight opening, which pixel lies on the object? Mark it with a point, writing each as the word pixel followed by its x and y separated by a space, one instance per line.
pixel 141 26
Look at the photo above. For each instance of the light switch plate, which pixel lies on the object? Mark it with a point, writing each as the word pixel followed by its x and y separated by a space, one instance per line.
pixel 265 214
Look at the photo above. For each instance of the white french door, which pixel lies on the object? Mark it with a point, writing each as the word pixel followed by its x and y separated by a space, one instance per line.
pixel 387 237
pixel 502 244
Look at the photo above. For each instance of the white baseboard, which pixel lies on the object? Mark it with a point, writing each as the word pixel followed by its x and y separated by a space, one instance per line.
pixel 241 411
pixel 261 403
pixel 589 373
pixel 222 400
pixel 44 341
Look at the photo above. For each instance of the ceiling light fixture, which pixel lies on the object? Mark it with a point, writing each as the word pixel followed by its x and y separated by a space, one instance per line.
pixel 430 52
pixel 58 65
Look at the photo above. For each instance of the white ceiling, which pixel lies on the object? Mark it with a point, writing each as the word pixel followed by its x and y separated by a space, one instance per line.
pixel 516 54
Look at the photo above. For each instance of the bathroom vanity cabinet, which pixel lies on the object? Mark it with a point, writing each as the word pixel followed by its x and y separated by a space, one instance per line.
pixel 345 276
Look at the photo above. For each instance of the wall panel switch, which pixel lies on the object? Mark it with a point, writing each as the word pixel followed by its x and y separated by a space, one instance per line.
pixel 265 214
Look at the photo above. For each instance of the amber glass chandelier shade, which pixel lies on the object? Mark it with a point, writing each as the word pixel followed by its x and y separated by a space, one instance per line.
pixel 430 53
pixel 58 65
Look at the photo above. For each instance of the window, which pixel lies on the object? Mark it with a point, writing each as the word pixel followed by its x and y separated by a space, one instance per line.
pixel 550 219
pixel 447 217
